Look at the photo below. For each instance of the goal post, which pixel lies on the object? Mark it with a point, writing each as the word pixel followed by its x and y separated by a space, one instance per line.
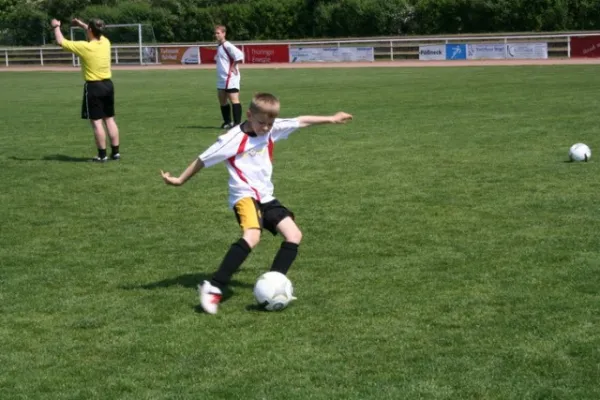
pixel 128 42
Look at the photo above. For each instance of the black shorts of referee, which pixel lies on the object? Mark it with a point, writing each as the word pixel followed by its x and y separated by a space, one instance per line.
pixel 98 100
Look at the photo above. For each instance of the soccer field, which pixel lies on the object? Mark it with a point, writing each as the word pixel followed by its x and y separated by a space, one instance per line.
pixel 450 250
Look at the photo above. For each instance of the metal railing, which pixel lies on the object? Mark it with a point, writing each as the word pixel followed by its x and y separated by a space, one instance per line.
pixel 559 45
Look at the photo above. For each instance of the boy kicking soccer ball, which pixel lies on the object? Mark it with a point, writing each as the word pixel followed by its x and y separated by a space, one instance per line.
pixel 247 150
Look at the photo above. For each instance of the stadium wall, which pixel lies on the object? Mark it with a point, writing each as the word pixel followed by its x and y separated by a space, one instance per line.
pixel 559 45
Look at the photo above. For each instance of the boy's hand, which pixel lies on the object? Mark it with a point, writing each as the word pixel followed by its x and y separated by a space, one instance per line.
pixel 170 180
pixel 341 118
pixel 55 23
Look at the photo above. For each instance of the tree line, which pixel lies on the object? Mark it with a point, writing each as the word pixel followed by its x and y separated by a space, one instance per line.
pixel 26 22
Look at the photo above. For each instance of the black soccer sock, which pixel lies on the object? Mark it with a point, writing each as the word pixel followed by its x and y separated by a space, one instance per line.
pixel 237 113
pixel 226 113
pixel 114 150
pixel 231 263
pixel 285 257
pixel 101 153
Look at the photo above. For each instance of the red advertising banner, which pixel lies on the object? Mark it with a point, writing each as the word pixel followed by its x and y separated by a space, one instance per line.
pixel 208 54
pixel 268 53
pixel 179 55
pixel 253 53
pixel 585 46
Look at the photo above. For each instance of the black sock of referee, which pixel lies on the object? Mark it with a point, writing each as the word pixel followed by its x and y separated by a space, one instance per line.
pixel 226 113
pixel 285 257
pixel 114 150
pixel 101 153
pixel 231 263
pixel 237 113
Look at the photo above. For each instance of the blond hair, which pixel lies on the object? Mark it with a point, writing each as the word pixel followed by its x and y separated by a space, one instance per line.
pixel 221 28
pixel 265 103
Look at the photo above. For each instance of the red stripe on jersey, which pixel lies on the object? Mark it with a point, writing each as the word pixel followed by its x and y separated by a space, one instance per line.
pixel 271 146
pixel 231 160
pixel 231 60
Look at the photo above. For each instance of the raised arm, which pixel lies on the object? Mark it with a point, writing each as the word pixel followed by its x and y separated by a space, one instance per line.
pixel 79 23
pixel 338 118
pixel 190 171
pixel 57 32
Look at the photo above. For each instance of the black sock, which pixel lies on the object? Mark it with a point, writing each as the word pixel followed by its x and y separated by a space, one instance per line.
pixel 226 113
pixel 114 150
pixel 231 263
pixel 285 257
pixel 237 113
pixel 101 153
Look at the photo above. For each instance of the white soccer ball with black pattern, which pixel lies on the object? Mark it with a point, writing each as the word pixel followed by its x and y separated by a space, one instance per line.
pixel 580 152
pixel 273 291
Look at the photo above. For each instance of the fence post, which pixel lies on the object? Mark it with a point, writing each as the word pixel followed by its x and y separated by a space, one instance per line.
pixel 6 56
pixel 157 54
pixel 117 55
pixel 140 44
pixel 569 46
pixel 391 51
pixel 42 57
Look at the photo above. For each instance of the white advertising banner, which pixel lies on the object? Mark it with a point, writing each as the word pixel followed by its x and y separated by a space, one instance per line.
pixel 331 54
pixel 486 51
pixel 527 50
pixel 432 52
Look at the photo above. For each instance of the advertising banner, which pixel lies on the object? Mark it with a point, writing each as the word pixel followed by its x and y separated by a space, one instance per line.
pixel 585 46
pixel 271 53
pixel 208 54
pixel 331 54
pixel 179 55
pixel 537 51
pixel 456 52
pixel 486 51
pixel 432 52
pixel 305 54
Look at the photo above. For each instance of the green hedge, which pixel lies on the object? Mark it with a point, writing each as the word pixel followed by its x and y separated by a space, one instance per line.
pixel 193 20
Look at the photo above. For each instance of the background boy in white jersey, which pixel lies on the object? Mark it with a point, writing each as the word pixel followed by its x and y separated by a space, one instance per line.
pixel 247 150
pixel 228 78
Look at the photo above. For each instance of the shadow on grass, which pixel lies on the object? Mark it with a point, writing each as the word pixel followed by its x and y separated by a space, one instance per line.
pixel 214 128
pixel 188 281
pixel 64 158
pixel 256 308
pixel 54 157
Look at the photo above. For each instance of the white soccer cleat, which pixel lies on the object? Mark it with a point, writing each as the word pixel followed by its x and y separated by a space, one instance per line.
pixel 210 297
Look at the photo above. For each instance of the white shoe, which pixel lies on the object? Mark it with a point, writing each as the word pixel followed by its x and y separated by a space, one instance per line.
pixel 210 297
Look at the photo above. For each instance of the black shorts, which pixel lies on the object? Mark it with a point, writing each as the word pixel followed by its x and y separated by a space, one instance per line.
pixel 98 100
pixel 254 215
pixel 230 90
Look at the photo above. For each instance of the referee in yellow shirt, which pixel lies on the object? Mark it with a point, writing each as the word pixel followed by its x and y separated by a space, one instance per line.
pixel 98 92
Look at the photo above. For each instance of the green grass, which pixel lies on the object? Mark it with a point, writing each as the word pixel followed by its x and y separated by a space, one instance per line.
pixel 449 250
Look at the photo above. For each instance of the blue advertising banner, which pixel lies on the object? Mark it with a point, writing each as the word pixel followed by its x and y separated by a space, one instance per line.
pixel 456 52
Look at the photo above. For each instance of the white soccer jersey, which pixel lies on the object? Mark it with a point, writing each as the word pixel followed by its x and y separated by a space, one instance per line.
pixel 227 54
pixel 249 160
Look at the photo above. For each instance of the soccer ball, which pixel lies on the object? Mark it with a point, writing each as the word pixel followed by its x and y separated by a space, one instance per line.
pixel 273 291
pixel 580 152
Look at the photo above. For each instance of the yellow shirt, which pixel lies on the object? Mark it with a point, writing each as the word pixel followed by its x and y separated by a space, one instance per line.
pixel 94 55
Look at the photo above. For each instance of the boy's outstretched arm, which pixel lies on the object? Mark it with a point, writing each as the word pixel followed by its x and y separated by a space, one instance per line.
pixel 190 171
pixel 338 118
